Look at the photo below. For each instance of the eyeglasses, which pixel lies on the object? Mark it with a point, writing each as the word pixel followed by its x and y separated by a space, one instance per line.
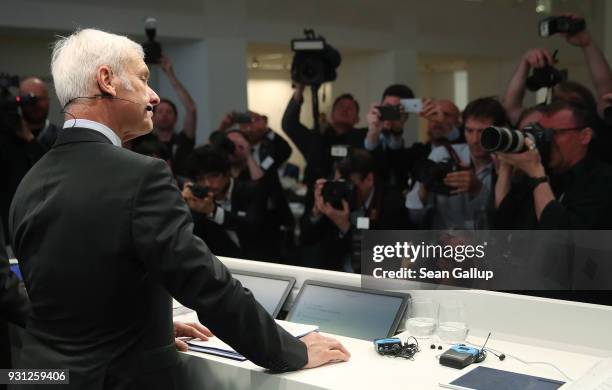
pixel 565 130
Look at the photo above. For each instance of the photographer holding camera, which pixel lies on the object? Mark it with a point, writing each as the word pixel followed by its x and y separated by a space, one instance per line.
pixel 317 147
pixel 179 145
pixel 30 136
pixel 562 186
pixel 453 186
pixel 573 29
pixel 384 138
pixel 227 212
pixel 340 209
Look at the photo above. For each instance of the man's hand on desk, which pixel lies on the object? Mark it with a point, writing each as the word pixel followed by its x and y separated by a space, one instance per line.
pixel 323 350
pixel 195 330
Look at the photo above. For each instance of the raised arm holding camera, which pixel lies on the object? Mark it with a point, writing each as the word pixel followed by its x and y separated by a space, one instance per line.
pixel 386 121
pixel 165 117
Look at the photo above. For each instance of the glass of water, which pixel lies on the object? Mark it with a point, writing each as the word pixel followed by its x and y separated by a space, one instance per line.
pixel 452 324
pixel 422 317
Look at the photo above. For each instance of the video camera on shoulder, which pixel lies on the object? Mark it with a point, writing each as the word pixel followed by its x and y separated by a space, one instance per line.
pixel 315 61
pixel 560 24
pixel 151 47
pixel 334 192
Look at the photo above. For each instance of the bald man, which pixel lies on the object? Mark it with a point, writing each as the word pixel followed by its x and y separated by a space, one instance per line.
pixel 443 120
pixel 23 146
pixel 34 114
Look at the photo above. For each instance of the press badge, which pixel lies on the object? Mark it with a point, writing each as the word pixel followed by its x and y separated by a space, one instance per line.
pixel 339 151
pixel 267 163
pixel 363 223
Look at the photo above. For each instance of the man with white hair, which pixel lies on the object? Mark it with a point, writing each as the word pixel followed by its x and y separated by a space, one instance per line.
pixel 105 239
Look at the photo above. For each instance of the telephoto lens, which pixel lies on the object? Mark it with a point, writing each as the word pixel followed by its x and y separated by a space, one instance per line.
pixel 502 139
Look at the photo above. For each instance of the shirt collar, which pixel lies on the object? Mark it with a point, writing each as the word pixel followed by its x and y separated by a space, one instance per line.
pixel 228 194
pixel 93 125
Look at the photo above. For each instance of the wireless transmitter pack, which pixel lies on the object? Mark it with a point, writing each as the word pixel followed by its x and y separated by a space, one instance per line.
pixel 460 356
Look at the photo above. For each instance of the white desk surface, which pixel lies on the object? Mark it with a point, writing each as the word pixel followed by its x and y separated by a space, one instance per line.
pixel 368 370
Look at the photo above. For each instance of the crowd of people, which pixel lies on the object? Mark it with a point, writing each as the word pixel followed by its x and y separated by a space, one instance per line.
pixel 367 178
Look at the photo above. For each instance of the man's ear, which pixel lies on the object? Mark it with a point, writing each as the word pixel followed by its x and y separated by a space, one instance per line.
pixel 104 77
pixel 586 136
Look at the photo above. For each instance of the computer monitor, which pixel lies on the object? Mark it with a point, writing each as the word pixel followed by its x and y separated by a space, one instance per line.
pixel 271 291
pixel 349 311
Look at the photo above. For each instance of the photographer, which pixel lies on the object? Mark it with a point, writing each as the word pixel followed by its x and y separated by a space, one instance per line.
pixel 340 209
pixel 28 139
pixel 179 145
pixel 230 212
pixel 597 64
pixel 317 147
pixel 569 190
pixel 259 163
pixel 384 138
pixel 35 114
pixel 457 193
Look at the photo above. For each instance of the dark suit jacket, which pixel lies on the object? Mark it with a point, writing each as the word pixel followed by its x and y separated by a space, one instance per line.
pixel 104 240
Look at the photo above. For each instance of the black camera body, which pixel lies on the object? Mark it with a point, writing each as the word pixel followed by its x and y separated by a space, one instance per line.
pixel 220 141
pixel 390 113
pixel 242 117
pixel 560 24
pixel 334 192
pixel 545 77
pixel 199 191
pixel 315 62
pixel 152 48
pixel 431 174
pixel 501 139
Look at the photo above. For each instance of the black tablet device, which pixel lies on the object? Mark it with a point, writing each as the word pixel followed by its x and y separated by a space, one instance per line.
pixel 349 311
pixel 271 291
pixel 485 378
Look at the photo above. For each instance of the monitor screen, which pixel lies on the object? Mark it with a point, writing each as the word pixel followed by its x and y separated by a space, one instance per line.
pixel 347 311
pixel 269 290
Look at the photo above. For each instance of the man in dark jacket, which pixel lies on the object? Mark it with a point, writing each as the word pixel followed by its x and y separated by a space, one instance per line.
pixel 321 150
pixel 105 240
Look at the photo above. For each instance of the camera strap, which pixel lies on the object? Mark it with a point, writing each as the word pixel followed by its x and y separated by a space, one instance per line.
pixel 451 152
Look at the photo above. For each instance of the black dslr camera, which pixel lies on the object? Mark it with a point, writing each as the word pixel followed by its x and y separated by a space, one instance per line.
pixel 431 174
pixel 199 191
pixel 315 61
pixel 560 24
pixel 501 139
pixel 334 192
pixel 151 47
pixel 546 77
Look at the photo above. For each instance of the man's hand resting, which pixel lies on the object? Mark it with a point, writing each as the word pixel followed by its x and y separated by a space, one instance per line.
pixel 323 350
